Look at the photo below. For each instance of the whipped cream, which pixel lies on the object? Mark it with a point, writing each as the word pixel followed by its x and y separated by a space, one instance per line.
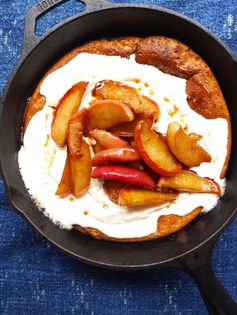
pixel 41 161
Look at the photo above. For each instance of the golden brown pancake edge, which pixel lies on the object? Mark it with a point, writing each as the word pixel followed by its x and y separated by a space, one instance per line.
pixel 170 56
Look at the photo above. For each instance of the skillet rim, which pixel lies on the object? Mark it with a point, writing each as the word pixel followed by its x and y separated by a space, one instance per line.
pixel 10 195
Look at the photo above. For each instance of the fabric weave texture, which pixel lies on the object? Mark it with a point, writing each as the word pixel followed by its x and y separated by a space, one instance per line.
pixel 35 278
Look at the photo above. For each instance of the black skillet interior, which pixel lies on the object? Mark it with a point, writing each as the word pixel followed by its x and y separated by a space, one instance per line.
pixel 114 22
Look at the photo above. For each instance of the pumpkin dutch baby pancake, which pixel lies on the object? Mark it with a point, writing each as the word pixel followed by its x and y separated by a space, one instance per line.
pixel 126 139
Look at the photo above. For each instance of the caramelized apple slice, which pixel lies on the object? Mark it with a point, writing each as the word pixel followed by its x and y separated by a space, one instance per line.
pixel 67 106
pixel 150 107
pixel 191 182
pixel 80 171
pixel 136 196
pixel 132 143
pixel 116 155
pixel 127 129
pixel 154 151
pixel 112 189
pixel 64 188
pixel 184 147
pixel 104 114
pixel 124 174
pixel 107 140
pixel 75 132
pixel 97 148
pixel 108 89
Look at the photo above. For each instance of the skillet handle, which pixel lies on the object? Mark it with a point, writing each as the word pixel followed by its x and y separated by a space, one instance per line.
pixel 30 39
pixel 198 265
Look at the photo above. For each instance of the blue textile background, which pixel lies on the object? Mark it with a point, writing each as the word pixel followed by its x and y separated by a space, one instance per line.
pixel 35 278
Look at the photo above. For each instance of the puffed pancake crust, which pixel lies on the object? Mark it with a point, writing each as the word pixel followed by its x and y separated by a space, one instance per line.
pixel 173 57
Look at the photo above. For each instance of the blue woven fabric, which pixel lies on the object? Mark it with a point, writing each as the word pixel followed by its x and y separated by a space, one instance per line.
pixel 35 278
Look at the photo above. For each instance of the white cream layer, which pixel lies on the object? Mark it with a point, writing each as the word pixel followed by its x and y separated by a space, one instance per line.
pixel 42 161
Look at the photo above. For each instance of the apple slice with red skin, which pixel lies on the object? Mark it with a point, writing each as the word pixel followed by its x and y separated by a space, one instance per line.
pixel 124 174
pixel 112 189
pixel 127 129
pixel 154 151
pixel 103 114
pixel 108 89
pixel 64 187
pixel 107 140
pixel 137 196
pixel 116 155
pixel 75 132
pixel 190 182
pixel 185 147
pixel 67 106
pixel 80 171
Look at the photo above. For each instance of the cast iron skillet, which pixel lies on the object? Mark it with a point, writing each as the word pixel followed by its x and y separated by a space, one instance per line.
pixel 190 249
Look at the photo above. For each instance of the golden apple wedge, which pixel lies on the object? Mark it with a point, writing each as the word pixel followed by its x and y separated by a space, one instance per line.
pixel 127 129
pixel 75 133
pixel 107 140
pixel 190 182
pixel 66 107
pixel 80 171
pixel 64 187
pixel 108 89
pixel 154 151
pixel 136 196
pixel 185 147
pixel 103 114
pixel 150 107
